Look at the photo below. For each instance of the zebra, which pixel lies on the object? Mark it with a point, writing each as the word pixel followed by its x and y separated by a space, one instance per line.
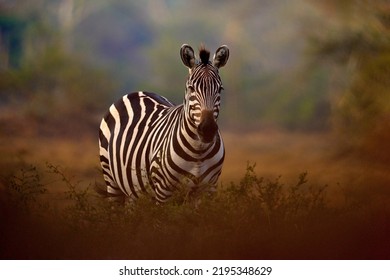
pixel 150 146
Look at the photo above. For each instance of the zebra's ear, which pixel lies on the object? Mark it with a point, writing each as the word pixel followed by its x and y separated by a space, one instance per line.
pixel 221 56
pixel 187 56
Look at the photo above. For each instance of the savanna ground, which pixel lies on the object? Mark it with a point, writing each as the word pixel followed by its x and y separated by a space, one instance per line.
pixel 282 195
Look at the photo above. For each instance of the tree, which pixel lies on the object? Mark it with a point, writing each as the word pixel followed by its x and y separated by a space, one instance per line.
pixel 359 46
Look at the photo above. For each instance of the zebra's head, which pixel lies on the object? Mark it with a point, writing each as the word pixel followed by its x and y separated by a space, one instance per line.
pixel 203 89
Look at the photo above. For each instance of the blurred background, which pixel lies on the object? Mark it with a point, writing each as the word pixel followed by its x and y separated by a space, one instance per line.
pixel 308 69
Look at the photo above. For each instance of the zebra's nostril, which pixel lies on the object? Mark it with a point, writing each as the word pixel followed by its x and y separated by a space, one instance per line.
pixel 207 127
pixel 207 134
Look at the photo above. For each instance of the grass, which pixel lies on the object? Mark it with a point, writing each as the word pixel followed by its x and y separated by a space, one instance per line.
pixel 255 218
pixel 339 209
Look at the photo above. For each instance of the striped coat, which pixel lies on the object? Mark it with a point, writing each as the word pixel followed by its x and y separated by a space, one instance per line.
pixel 150 146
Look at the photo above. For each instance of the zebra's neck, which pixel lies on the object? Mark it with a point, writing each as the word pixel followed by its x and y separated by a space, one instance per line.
pixel 188 132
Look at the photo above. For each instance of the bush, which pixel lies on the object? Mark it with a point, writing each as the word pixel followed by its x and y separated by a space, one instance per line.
pixel 55 93
pixel 256 218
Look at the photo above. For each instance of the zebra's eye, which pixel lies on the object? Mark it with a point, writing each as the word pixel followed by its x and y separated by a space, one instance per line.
pixel 191 89
pixel 221 88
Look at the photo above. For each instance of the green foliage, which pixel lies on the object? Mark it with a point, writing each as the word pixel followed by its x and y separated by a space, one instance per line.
pixel 57 82
pixel 358 45
pixel 53 83
pixel 137 45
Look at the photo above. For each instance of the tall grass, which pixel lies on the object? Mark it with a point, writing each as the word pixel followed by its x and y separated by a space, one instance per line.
pixel 254 218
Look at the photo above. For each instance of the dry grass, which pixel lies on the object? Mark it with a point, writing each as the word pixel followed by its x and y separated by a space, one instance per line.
pixel 341 212
pixel 288 154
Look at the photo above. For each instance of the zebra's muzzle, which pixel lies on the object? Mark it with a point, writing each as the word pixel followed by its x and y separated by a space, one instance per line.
pixel 208 127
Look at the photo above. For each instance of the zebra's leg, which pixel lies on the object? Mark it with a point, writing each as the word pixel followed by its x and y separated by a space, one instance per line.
pixel 159 182
pixel 111 187
pixel 161 193
pixel 112 190
pixel 198 193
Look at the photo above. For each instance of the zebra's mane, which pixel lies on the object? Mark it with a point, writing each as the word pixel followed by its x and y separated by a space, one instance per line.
pixel 204 55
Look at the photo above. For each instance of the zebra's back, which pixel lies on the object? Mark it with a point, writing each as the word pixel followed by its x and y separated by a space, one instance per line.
pixel 124 140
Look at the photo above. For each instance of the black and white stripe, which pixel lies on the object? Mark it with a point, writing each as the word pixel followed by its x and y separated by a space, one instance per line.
pixel 148 145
